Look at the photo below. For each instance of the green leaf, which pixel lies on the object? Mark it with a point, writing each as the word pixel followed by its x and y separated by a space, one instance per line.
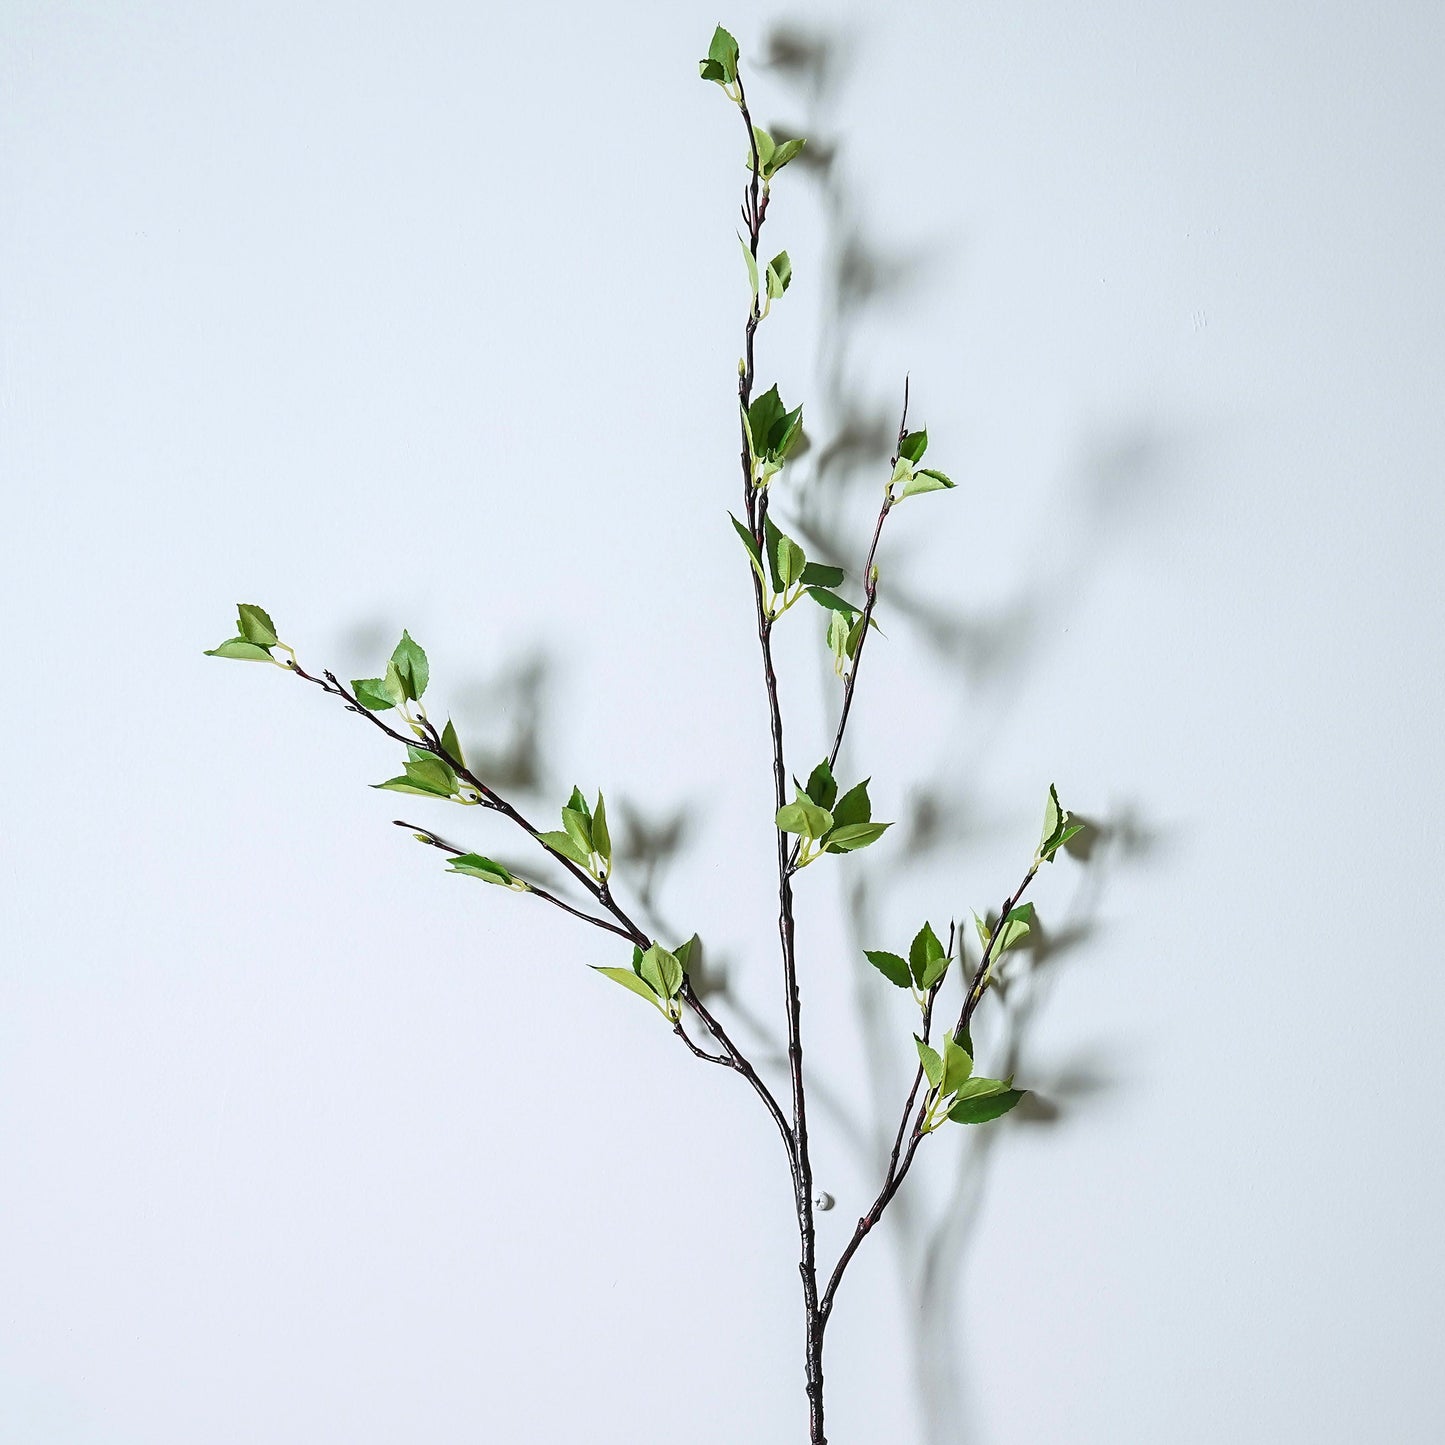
pixel 601 838
pixel 925 480
pixel 981 1088
pixel 783 152
pixel 826 598
pixel 779 275
pixel 755 555
pixel 913 446
pixel 786 560
pixel 957 1065
pixel 629 980
pixel 803 818
pixel 579 829
pixel 980 1111
pixel 765 416
pixel 451 744
pixel 785 435
pixel 815 574
pixel 893 968
pixel 838 638
pixel 407 785
pixel 255 625
pixel 661 970
pixel 931 1061
pixel 853 806
pixel 431 773
pixel 411 666
pixel 1053 818
pixel 567 846
pixel 637 960
pixel 985 933
pixel 752 265
pixel 923 951
pixel 855 637
pixel 854 836
pixel 765 147
pixel 475 866
pixel 377 694
pixel 822 788
pixel 1015 927
pixel 933 971
pixel 721 64
pixel 240 649
pixel 684 952
pixel 578 803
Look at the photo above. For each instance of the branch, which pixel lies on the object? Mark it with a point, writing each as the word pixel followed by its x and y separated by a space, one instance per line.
pixel 623 927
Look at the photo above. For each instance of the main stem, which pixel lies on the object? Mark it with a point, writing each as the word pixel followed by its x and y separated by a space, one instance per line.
pixel 755 206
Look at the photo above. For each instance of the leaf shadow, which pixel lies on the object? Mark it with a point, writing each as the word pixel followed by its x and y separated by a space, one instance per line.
pixel 980 659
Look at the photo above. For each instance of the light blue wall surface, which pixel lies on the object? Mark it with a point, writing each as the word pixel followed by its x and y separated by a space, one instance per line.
pixel 428 315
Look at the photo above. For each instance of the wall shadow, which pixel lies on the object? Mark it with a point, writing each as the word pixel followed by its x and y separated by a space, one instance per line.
pixel 978 660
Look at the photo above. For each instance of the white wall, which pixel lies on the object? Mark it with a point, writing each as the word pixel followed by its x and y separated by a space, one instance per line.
pixel 428 315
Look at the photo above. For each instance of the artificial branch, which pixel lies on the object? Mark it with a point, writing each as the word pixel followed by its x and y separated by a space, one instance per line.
pixel 827 821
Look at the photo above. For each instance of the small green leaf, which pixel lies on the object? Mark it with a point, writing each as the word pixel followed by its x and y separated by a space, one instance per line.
pixel 923 951
pixel 255 625
pixel 377 694
pixel 838 639
pixel 913 446
pixel 240 649
pixel 816 574
pixel 893 968
pixel 450 743
pixel 765 416
pixel 475 866
pixel 755 555
pixel 721 64
pixel 684 952
pixel 822 788
pixel 853 806
pixel 629 980
pixel 826 598
pixel 803 818
pixel 980 1111
pixel 1015 927
pixel 752 264
pixel 1053 817
pixel 601 838
pixel 779 275
pixel 981 1088
pixel 853 836
pixel 933 970
pixel 783 152
pixel 957 1065
pixel 931 1061
pixel 567 847
pixel 407 785
pixel 431 773
pixel 661 971
pixel 764 143
pixel 985 933
pixel 925 480
pixel 637 960
pixel 786 560
pixel 411 666
pixel 579 829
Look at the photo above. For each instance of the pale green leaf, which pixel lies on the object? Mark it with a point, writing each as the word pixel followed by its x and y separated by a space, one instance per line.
pixel 475 866
pixel 566 846
pixel 241 650
pixel 854 836
pixel 601 837
pixel 629 980
pixel 957 1065
pixel 255 625
pixel 931 1061
pixel 991 1106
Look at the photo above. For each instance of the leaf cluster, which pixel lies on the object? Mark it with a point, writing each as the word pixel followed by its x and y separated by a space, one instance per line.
pixel 584 838
pixel 922 970
pixel 656 975
pixel 909 479
pixel 254 639
pixel 826 823
pixel 957 1093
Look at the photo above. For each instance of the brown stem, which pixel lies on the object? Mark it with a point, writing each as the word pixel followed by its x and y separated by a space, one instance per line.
pixel 755 204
